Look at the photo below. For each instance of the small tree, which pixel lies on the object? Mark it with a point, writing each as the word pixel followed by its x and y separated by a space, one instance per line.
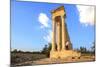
pixel 49 49
pixel 14 51
pixel 83 50
pixel 93 48
pixel 46 50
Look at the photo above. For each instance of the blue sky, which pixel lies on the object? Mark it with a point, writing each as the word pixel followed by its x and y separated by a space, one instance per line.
pixel 30 32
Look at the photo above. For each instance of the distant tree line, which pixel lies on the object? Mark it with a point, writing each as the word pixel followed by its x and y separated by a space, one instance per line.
pixel 84 50
pixel 20 51
pixel 46 50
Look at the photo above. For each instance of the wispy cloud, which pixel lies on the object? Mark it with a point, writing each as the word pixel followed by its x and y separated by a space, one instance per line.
pixel 86 14
pixel 44 20
pixel 48 36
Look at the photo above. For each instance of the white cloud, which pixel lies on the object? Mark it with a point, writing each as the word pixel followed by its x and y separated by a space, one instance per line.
pixel 45 22
pixel 86 14
pixel 43 19
pixel 48 36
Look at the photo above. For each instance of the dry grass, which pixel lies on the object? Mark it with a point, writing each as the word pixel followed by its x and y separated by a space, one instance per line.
pixel 17 58
pixel 21 59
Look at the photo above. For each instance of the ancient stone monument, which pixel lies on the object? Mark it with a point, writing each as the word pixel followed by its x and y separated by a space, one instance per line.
pixel 61 44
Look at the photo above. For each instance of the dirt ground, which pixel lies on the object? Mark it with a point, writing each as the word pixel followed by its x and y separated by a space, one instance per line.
pixel 58 61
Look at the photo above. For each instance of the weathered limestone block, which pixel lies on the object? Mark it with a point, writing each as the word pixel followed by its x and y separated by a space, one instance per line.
pixel 69 53
pixel 64 54
pixel 54 54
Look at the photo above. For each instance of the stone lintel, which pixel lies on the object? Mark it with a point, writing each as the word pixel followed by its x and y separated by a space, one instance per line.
pixel 58 9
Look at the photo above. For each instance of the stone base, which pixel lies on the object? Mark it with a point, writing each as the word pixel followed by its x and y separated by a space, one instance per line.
pixel 64 54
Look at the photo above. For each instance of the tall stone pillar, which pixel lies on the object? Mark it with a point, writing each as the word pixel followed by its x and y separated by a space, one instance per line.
pixel 67 39
pixel 63 32
pixel 58 37
pixel 53 35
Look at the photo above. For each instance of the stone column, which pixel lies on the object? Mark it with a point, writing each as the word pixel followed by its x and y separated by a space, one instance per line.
pixel 58 36
pixel 63 32
pixel 53 35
